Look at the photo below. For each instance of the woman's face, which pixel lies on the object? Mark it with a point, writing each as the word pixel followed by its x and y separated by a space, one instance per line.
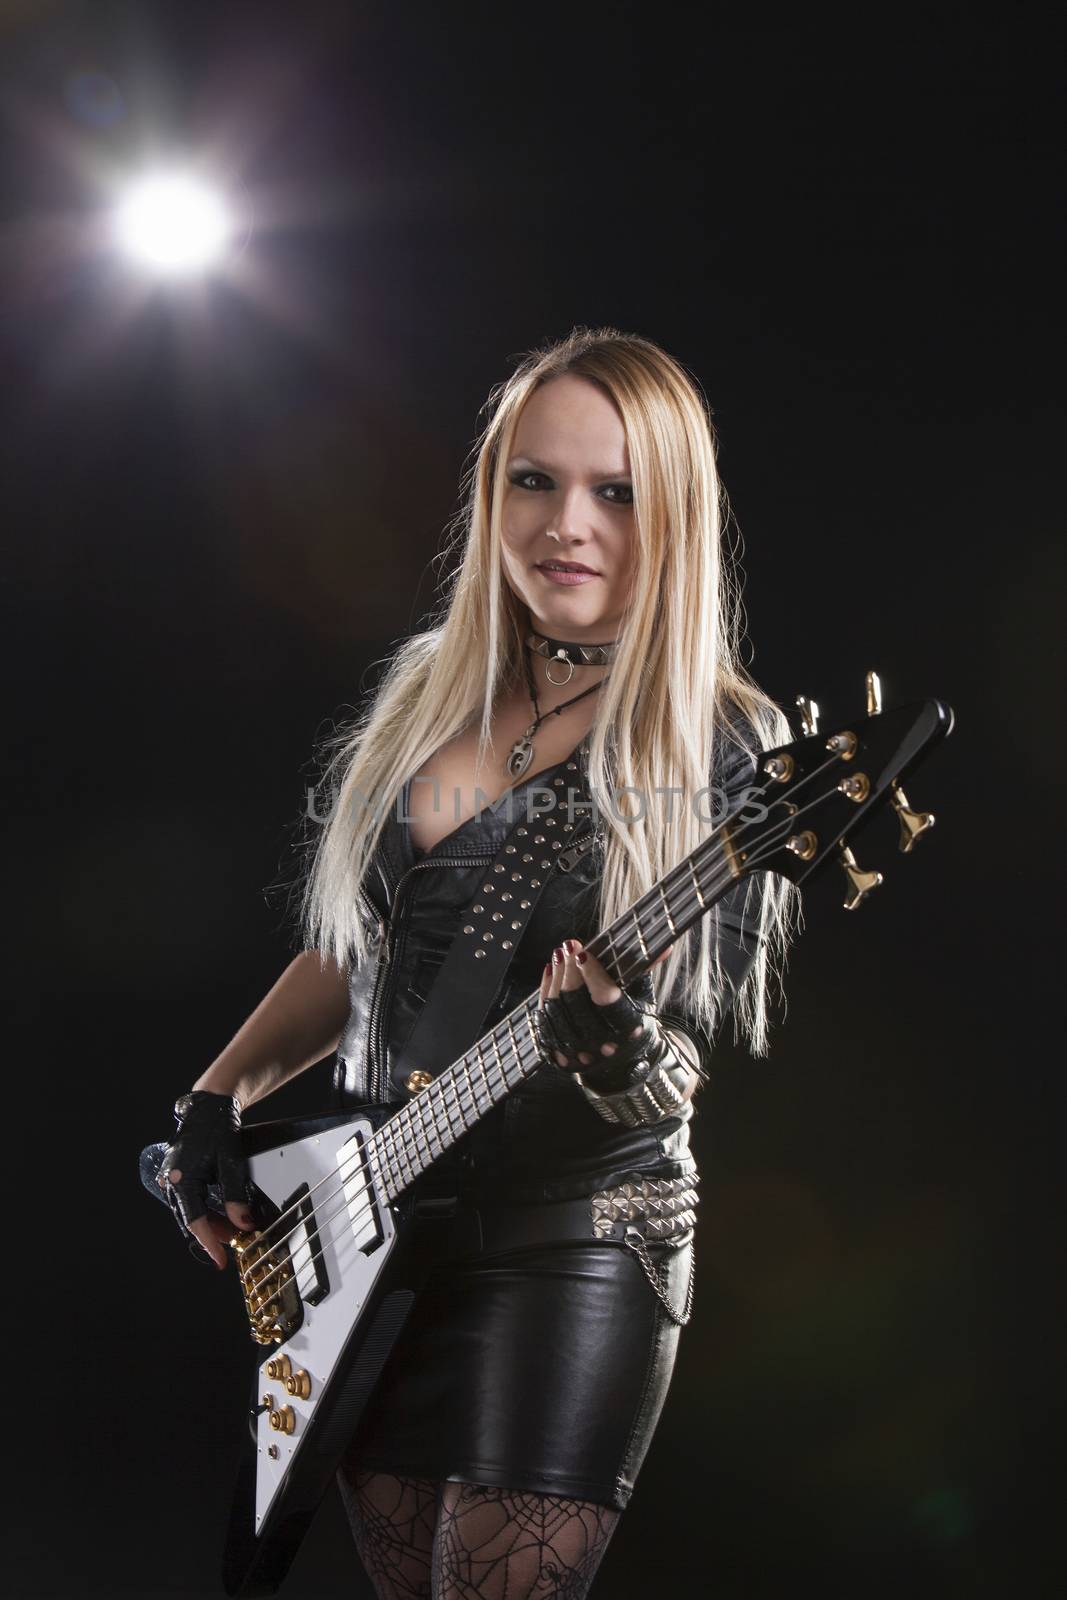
pixel 568 475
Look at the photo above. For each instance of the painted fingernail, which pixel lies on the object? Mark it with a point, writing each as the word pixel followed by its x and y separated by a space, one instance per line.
pixel 557 956
pixel 581 958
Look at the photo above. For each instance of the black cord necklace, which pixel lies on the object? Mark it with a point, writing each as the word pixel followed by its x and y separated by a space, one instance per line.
pixel 522 751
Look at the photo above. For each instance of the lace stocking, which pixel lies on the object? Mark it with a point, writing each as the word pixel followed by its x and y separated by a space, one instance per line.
pixel 392 1521
pixel 503 1544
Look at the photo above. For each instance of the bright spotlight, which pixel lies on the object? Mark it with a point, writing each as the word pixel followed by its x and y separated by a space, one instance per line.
pixel 172 224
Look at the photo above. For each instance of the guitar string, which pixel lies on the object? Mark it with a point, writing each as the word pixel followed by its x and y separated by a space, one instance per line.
pixel 622 954
pixel 528 1053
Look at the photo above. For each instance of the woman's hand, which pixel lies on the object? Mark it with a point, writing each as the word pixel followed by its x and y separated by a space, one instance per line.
pixel 587 1019
pixel 206 1150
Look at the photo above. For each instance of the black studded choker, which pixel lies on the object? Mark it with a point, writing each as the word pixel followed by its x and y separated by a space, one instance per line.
pixel 579 655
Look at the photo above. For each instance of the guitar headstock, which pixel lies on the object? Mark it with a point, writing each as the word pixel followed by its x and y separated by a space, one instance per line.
pixel 817 792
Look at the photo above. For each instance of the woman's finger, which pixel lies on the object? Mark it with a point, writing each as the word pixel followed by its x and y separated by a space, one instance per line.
pixel 602 989
pixel 211 1231
pixel 555 970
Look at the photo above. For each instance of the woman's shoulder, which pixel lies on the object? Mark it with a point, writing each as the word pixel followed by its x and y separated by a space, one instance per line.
pixel 736 748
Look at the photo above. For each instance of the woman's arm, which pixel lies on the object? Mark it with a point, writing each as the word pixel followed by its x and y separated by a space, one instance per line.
pixel 298 1021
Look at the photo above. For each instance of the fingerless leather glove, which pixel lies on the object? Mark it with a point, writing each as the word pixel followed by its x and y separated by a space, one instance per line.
pixel 643 1081
pixel 206 1149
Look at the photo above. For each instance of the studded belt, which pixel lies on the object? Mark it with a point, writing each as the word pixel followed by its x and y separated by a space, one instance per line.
pixel 640 1211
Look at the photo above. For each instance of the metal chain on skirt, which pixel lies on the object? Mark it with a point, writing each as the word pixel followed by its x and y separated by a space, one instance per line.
pixel 635 1239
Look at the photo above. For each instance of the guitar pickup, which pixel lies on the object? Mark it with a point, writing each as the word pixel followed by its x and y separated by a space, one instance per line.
pixel 360 1195
pixel 305 1248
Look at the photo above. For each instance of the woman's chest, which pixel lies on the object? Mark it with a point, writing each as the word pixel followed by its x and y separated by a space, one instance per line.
pixel 454 785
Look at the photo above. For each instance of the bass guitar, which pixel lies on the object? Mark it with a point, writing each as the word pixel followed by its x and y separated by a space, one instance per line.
pixel 326 1278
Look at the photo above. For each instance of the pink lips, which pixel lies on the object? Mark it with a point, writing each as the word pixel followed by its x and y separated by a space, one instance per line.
pixel 566 575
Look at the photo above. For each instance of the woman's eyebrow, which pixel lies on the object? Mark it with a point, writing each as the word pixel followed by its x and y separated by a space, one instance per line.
pixel 542 466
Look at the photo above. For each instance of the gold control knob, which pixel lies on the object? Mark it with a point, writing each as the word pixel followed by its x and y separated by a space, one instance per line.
pixel 279 1367
pixel 860 883
pixel 913 824
pixel 299 1384
pixel 283 1421
pixel 417 1080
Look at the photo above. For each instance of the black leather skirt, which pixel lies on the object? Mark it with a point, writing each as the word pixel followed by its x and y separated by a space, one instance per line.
pixel 537 1366
pixel 536 1357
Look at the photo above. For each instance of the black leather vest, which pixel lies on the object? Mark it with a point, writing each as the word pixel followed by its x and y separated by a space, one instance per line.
pixel 544 1141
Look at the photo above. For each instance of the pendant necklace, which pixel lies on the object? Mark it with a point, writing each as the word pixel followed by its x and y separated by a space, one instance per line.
pixel 522 751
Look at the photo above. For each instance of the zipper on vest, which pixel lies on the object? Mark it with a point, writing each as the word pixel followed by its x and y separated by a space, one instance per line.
pixel 384 974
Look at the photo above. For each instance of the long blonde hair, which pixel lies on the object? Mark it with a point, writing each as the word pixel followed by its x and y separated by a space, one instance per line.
pixel 675 682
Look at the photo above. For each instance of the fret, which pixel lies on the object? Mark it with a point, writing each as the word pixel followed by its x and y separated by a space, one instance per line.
pixel 729 850
pixel 425 1124
pixel 500 1061
pixel 640 936
pixel 382 1137
pixel 516 1051
pixel 502 1089
pixel 460 1078
pixel 696 883
pixel 412 1129
pixel 445 1082
pixel 485 1078
pixel 396 1154
pixel 667 911
pixel 453 1083
pixel 472 1085
pixel 400 1146
pixel 610 958
pixel 425 1127
pixel 440 1114
pixel 536 1059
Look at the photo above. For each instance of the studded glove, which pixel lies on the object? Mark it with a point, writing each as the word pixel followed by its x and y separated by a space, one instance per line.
pixel 646 1077
pixel 206 1149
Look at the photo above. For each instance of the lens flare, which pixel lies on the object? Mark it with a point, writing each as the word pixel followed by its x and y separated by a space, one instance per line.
pixel 172 224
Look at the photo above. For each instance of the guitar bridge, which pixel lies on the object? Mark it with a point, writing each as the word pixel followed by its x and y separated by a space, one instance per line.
pixel 279 1275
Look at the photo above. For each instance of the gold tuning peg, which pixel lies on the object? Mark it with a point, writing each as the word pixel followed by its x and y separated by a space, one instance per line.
pixel 874 694
pixel 913 824
pixel 809 714
pixel 860 883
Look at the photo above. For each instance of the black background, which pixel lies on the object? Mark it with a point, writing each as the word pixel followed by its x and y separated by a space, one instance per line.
pixel 223 508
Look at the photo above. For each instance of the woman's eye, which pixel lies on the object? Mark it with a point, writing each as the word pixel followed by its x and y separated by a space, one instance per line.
pixel 519 480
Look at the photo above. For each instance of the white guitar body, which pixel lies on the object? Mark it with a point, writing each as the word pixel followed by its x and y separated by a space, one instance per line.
pixel 327 1290
pixel 337 1251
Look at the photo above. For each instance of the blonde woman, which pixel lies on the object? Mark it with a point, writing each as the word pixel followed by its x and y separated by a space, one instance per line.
pixel 589 636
